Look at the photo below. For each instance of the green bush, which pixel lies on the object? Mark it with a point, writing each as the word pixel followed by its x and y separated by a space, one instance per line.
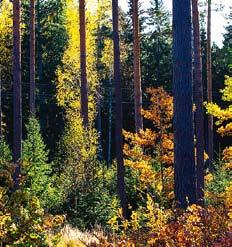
pixel 36 168
pixel 5 153
pixel 22 219
pixel 93 204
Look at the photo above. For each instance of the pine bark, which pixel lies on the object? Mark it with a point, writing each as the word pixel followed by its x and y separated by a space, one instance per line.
pixel 32 57
pixel 199 114
pixel 84 83
pixel 119 113
pixel 39 42
pixel 184 158
pixel 137 68
pixel 110 122
pixel 17 98
pixel 209 86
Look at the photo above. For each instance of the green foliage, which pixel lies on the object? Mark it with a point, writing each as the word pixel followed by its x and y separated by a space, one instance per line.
pixel 156 50
pixel 36 167
pixel 5 153
pixel 218 182
pixel 22 219
pixel 6 36
pixel 96 205
pixel 87 188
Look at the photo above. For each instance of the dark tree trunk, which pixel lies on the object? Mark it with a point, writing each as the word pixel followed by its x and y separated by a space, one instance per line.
pixel 184 158
pixel 99 95
pixel 199 115
pixel 137 69
pixel 110 125
pixel 39 43
pixel 84 84
pixel 209 86
pixel 99 129
pixel 110 121
pixel 17 99
pixel 119 115
pixel 32 57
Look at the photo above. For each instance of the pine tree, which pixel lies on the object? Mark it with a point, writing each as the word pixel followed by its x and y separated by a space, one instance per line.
pixel 198 96
pixel 17 98
pixel 209 86
pixel 156 57
pixel 32 57
pixel 84 83
pixel 35 162
pixel 137 68
pixel 119 114
pixel 184 160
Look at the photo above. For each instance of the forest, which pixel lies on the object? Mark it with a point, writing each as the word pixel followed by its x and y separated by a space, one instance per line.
pixel 115 124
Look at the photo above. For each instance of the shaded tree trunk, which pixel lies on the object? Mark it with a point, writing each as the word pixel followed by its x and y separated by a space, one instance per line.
pixel 99 108
pixel 17 99
pixel 39 42
pixel 137 68
pixel 209 86
pixel 184 158
pixel 199 115
pixel 99 129
pixel 110 123
pixel 119 115
pixel 32 57
pixel 84 84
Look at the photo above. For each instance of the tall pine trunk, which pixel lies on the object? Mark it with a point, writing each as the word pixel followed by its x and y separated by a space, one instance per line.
pixel 209 86
pixel 39 41
pixel 184 160
pixel 199 115
pixel 119 115
pixel 110 121
pixel 32 57
pixel 84 84
pixel 137 68
pixel 17 98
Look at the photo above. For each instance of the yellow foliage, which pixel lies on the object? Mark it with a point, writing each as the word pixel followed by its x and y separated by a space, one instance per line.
pixel 224 118
pixel 81 145
pixel 68 75
pixel 6 37
pixel 149 148
pixel 227 157
pixel 161 110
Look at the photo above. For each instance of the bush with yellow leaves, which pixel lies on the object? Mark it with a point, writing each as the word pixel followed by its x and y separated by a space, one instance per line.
pixel 22 220
pixel 149 153
pixel 224 118
pixel 155 226
pixel 156 221
pixel 218 182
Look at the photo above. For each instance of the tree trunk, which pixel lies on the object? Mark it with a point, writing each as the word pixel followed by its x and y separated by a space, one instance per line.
pixel 199 115
pixel 99 129
pixel 32 57
pixel 99 108
pixel 184 160
pixel 209 86
pixel 39 43
pixel 84 84
pixel 137 69
pixel 110 123
pixel 119 115
pixel 17 99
